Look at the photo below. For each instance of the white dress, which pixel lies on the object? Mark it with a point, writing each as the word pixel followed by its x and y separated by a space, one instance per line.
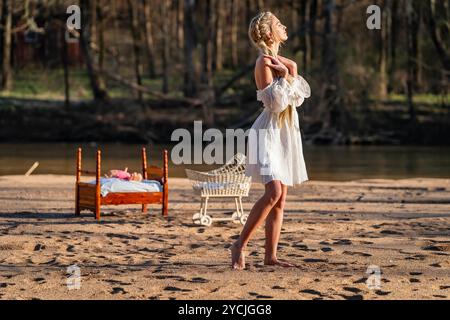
pixel 275 153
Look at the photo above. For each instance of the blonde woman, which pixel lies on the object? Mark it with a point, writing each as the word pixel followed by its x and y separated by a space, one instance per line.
pixel 274 152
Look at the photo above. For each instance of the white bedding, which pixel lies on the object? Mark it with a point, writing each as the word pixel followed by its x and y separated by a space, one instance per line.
pixel 118 185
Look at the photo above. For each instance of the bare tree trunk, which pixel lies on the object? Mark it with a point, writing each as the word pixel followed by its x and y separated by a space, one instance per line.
pixel 383 48
pixel 440 44
pixel 331 76
pixel 66 70
pixel 410 82
pixel 219 36
pixel 166 45
pixel 101 34
pixel 234 33
pixel 190 42
pixel 294 20
pixel 96 80
pixel 207 89
pixel 7 40
pixel 149 38
pixel 415 42
pixel 210 19
pixel 304 42
pixel 180 27
pixel 312 31
pixel 134 27
pixel 393 43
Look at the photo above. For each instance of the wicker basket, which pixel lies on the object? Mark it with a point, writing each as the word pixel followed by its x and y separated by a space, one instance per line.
pixel 228 181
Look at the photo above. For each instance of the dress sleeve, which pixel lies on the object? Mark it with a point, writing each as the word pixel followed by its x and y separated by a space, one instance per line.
pixel 275 96
pixel 300 90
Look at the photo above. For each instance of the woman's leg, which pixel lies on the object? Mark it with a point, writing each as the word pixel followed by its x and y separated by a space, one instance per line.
pixel 259 212
pixel 274 222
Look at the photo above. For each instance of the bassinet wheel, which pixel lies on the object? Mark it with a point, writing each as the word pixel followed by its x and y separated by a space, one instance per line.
pixel 196 218
pixel 236 217
pixel 206 221
pixel 243 219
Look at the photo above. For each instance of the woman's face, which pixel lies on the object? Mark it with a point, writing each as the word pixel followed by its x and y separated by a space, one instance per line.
pixel 279 31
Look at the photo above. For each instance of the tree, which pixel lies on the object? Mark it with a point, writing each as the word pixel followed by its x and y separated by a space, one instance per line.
pixel 190 42
pixel 135 34
pixel 149 37
pixel 88 9
pixel 437 22
pixel 165 44
pixel 331 101
pixel 6 45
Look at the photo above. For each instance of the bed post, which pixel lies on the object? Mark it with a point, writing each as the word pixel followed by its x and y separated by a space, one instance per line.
pixel 97 185
pixel 78 176
pixel 165 185
pixel 144 172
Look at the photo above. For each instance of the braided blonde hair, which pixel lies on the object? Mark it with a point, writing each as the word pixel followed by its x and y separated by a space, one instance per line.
pixel 258 32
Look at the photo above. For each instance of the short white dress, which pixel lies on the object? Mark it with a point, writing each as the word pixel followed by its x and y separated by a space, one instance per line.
pixel 274 152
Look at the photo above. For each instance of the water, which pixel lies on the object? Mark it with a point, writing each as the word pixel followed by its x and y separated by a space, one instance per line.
pixel 338 163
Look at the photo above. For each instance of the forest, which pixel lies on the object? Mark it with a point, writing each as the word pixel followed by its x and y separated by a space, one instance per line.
pixel 137 69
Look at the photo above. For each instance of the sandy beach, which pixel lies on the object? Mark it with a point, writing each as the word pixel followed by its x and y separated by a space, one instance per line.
pixel 333 230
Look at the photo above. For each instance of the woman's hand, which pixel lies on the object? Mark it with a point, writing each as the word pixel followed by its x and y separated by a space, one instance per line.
pixel 291 65
pixel 276 64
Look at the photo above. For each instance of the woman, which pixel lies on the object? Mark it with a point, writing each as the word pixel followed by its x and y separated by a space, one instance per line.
pixel 274 153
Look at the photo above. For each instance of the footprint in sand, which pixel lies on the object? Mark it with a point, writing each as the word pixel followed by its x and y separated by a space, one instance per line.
pixel 278 288
pixel 39 280
pixel 392 232
pixel 354 253
pixel 440 247
pixel 117 290
pixel 352 289
pixel 163 277
pixel 414 280
pixel 382 293
pixel 354 297
pixel 343 242
pixel 122 236
pixel 311 291
pixel 39 247
pixel 170 288
pixel 436 265
pixel 362 280
pixel 310 260
pixel 326 249
pixel 199 280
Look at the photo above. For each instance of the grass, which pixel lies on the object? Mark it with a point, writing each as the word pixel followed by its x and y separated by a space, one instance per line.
pixel 48 84
pixel 423 98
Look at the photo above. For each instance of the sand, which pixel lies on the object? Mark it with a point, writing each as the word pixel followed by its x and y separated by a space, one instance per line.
pixel 333 230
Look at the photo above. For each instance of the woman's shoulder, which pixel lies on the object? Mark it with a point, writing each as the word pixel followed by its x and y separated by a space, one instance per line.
pixel 261 61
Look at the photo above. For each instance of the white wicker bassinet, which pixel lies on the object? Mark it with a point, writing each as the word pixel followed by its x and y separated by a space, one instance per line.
pixel 226 181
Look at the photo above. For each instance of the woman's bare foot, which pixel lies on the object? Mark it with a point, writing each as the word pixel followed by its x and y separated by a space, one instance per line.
pixel 280 263
pixel 237 257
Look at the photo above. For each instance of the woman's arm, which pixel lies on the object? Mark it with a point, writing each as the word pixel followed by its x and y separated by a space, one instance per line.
pixel 263 74
pixel 290 64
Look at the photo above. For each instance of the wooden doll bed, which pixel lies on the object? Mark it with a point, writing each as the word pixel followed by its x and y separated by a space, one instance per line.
pixel 88 196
